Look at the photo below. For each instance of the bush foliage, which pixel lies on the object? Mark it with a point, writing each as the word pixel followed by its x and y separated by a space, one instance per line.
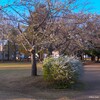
pixel 62 71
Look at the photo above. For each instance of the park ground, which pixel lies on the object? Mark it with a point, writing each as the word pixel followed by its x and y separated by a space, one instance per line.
pixel 16 83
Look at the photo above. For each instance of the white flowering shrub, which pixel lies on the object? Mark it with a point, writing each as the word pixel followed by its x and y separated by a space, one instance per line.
pixel 63 70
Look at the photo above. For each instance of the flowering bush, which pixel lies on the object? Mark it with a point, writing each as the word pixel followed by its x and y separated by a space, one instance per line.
pixel 63 70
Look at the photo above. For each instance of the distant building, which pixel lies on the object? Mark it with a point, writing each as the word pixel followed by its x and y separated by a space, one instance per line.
pixel 3 52
pixel 9 51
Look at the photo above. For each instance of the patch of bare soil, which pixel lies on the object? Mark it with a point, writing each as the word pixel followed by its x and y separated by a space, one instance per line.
pixel 27 83
pixel 19 85
pixel 34 88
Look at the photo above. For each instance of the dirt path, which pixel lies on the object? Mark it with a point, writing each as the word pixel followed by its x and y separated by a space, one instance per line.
pixel 16 84
pixel 14 96
pixel 92 83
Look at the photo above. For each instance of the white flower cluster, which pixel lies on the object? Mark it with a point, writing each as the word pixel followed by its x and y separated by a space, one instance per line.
pixel 63 68
pixel 75 64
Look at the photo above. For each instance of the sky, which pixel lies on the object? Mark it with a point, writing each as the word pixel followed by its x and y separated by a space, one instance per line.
pixel 95 4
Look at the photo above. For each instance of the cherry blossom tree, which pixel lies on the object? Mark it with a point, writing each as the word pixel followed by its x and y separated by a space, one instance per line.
pixel 48 23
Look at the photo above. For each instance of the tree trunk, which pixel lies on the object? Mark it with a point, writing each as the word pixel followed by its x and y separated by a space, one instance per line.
pixel 8 51
pixel 14 52
pixel 3 56
pixel 98 57
pixel 33 60
pixel 50 49
pixel 92 58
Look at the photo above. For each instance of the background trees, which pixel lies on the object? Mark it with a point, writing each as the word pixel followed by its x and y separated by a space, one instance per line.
pixel 93 28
